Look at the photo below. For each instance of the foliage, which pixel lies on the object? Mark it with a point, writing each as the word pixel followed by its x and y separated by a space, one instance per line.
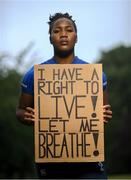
pixel 16 148
pixel 116 64
pixel 120 176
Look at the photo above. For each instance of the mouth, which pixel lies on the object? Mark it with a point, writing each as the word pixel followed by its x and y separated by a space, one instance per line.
pixel 64 42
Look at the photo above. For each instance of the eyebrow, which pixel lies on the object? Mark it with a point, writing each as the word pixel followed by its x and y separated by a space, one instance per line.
pixel 59 27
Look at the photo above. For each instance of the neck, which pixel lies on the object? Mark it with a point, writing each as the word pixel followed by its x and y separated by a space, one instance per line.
pixel 64 59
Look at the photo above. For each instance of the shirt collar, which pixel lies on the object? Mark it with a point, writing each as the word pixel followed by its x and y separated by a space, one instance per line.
pixel 73 62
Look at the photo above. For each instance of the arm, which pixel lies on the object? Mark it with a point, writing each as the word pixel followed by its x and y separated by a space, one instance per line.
pixel 25 111
pixel 107 112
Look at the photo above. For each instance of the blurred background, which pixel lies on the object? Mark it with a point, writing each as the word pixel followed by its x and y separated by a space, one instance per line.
pixel 104 36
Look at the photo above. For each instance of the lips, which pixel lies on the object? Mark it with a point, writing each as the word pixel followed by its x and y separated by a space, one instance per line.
pixel 64 42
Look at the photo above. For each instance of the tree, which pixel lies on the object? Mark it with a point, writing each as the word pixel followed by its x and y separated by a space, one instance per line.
pixel 16 139
pixel 116 64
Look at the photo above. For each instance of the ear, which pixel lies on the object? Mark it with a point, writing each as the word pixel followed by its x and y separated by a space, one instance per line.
pixel 50 39
pixel 76 39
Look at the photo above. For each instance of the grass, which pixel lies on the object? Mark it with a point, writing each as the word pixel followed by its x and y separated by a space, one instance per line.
pixel 120 176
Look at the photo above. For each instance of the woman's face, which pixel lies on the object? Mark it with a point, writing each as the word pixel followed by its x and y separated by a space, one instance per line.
pixel 63 35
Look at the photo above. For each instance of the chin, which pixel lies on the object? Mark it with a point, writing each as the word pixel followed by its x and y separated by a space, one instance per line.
pixel 64 52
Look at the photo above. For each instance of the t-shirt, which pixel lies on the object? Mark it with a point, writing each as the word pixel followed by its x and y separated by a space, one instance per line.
pixel 64 170
pixel 27 84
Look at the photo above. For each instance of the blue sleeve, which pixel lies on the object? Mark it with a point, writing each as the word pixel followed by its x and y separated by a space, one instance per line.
pixel 27 83
pixel 104 78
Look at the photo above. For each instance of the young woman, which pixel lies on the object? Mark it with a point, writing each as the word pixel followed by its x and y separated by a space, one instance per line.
pixel 63 37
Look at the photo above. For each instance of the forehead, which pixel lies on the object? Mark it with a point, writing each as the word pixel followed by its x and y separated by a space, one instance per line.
pixel 63 22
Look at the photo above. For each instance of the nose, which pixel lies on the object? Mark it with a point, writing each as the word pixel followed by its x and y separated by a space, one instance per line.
pixel 64 33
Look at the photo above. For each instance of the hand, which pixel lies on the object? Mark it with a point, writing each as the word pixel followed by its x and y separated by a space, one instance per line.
pixel 107 113
pixel 29 116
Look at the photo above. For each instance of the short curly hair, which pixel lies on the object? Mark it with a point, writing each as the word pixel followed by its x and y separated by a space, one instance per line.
pixel 57 16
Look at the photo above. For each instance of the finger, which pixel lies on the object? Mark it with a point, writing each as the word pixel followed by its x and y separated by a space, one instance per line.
pixel 29 109
pixel 107 116
pixel 29 119
pixel 107 112
pixel 105 121
pixel 28 116
pixel 107 106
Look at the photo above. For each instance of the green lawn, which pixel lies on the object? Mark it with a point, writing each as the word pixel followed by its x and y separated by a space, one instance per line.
pixel 120 176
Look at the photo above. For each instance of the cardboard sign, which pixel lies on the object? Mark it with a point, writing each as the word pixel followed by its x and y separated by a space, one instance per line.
pixel 68 113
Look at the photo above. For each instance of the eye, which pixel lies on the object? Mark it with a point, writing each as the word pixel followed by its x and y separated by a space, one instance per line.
pixel 56 31
pixel 70 30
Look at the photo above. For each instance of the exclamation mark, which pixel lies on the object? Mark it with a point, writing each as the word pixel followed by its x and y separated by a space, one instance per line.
pixel 95 136
pixel 94 100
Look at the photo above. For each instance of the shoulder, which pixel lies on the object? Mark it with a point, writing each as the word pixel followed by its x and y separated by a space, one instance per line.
pixel 80 61
pixel 49 61
pixel 27 83
pixel 104 79
pixel 29 74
